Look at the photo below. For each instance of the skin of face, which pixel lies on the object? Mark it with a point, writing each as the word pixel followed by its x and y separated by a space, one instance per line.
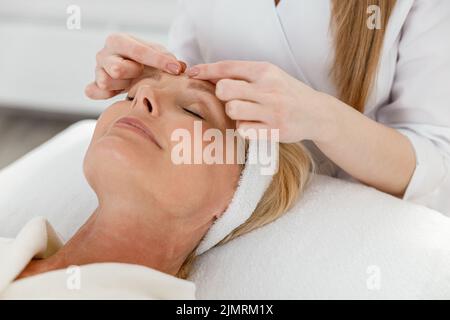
pixel 126 168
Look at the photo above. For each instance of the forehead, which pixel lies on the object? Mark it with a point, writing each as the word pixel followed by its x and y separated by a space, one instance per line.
pixel 160 76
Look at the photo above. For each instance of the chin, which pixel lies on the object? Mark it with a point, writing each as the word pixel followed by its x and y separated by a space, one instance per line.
pixel 112 158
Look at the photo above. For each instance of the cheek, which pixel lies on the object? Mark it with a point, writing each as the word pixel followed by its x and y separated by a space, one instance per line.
pixel 198 189
pixel 116 161
pixel 188 183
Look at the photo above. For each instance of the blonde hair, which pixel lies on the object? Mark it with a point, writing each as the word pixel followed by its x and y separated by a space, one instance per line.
pixel 357 48
pixel 294 172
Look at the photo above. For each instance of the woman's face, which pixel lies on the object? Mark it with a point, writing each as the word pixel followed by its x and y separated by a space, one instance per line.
pixel 123 162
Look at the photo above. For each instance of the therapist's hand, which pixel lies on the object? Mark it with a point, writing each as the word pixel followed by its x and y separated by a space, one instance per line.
pixel 260 95
pixel 123 59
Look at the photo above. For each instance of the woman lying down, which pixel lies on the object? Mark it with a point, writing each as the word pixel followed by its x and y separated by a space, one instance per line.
pixel 153 216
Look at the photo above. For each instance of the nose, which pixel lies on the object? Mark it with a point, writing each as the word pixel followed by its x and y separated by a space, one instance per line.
pixel 146 100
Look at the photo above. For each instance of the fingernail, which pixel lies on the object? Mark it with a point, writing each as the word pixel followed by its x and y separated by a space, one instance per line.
pixel 173 68
pixel 183 66
pixel 192 72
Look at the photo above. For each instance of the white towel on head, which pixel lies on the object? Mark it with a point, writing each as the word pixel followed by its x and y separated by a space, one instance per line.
pixel 253 182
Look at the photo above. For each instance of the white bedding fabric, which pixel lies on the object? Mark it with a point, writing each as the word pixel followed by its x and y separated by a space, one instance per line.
pixel 94 281
pixel 342 240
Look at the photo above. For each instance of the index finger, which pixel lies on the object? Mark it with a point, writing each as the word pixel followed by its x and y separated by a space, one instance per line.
pixel 230 69
pixel 131 48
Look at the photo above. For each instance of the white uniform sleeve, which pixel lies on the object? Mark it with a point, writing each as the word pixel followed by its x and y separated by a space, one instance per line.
pixel 420 101
pixel 182 37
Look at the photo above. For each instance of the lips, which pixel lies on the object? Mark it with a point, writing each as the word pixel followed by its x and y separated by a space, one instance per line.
pixel 137 126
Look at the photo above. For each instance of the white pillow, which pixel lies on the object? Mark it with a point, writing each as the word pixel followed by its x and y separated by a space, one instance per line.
pixel 342 240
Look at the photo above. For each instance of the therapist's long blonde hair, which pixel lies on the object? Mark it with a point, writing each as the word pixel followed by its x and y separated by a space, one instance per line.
pixel 357 48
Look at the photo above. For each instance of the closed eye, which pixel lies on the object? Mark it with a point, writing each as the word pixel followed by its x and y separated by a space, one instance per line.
pixel 129 98
pixel 193 113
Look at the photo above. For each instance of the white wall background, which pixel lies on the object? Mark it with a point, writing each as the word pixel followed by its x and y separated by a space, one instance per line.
pixel 45 66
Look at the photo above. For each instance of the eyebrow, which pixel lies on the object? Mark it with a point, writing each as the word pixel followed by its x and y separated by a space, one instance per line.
pixel 201 86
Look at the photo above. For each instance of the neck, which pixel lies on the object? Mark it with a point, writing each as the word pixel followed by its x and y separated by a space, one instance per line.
pixel 112 234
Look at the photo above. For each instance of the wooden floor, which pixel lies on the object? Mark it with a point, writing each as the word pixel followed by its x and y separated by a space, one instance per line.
pixel 20 133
